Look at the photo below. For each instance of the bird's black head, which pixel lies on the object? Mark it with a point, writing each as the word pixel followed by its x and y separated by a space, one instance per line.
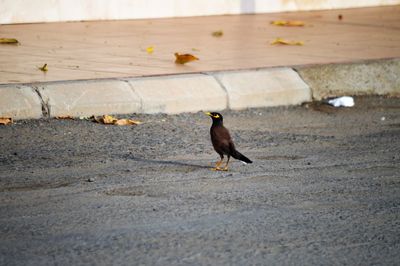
pixel 216 117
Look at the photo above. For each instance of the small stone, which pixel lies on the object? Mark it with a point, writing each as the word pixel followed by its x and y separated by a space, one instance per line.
pixel 383 118
pixel 91 179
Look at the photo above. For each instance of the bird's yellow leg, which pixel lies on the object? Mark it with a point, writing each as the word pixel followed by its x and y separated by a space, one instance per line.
pixel 226 165
pixel 216 168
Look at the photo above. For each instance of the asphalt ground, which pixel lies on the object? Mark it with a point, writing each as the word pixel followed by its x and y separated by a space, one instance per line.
pixel 324 189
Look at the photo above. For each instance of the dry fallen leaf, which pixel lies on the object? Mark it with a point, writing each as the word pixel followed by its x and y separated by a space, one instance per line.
pixel 290 23
pixel 5 120
pixel 44 68
pixel 285 42
pixel 150 49
pixel 110 120
pixel 124 122
pixel 64 117
pixel 184 58
pixel 218 33
pixel 8 41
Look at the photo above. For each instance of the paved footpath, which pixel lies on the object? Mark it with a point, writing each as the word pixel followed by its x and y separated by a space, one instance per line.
pixel 99 68
pixel 324 189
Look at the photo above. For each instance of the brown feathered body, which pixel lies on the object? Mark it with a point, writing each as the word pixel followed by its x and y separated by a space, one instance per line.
pixel 222 141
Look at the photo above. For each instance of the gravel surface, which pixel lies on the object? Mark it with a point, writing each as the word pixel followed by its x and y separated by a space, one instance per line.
pixel 324 189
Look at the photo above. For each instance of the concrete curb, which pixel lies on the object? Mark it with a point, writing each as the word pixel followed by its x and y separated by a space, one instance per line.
pixel 178 93
pixel 196 92
pixel 265 87
pixel 20 102
pixel 380 77
pixel 82 98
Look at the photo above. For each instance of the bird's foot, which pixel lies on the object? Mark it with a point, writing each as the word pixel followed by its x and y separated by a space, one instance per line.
pixel 219 169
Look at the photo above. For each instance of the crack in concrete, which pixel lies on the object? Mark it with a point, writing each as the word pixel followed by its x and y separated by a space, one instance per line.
pixel 310 89
pixel 135 92
pixel 228 104
pixel 44 103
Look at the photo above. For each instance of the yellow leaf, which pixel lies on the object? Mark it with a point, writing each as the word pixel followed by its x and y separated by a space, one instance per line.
pixel 124 122
pixel 5 120
pixel 44 68
pixel 285 42
pixel 184 58
pixel 218 33
pixel 150 49
pixel 64 117
pixel 290 23
pixel 111 120
pixel 8 41
pixel 108 119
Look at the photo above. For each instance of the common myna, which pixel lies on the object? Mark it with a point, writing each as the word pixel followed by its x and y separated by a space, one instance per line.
pixel 222 142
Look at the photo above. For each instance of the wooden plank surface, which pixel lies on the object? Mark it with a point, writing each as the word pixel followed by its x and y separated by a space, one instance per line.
pixel 115 49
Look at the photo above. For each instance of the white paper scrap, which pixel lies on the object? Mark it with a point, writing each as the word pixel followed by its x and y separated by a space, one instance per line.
pixel 345 101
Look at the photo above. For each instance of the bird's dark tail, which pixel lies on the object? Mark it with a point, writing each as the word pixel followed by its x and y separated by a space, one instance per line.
pixel 241 157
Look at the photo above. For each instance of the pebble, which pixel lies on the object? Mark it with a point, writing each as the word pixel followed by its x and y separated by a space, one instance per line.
pixel 91 179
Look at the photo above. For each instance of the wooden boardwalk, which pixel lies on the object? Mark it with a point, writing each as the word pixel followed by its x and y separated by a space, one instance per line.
pixel 116 49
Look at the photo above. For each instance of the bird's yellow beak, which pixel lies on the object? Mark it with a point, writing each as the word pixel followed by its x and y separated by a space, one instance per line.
pixel 213 116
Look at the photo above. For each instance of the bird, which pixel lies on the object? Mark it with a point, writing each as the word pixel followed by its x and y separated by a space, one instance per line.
pixel 222 142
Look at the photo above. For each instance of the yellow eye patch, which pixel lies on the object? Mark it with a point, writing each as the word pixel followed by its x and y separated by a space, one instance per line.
pixel 213 116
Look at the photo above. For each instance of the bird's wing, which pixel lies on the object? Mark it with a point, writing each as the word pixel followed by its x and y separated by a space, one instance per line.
pixel 221 139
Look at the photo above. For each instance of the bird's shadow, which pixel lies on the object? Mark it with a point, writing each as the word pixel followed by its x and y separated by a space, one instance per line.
pixel 177 163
